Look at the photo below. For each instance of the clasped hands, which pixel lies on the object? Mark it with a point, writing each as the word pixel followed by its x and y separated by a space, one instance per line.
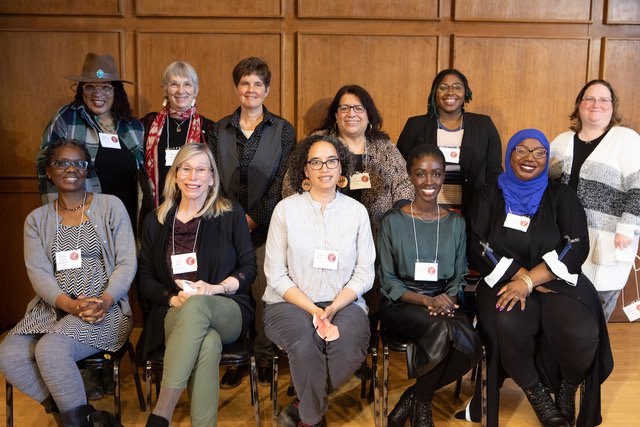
pixel 93 309
pixel 201 288
pixel 322 322
pixel 440 305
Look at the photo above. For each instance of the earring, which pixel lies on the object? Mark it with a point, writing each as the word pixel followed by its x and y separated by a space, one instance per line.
pixel 165 102
pixel 193 102
pixel 369 127
pixel 306 184
pixel 342 181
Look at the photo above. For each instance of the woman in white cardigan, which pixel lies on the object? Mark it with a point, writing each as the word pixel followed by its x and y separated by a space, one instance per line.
pixel 599 160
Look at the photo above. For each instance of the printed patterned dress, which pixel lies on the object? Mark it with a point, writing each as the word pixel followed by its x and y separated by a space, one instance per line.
pixel 90 280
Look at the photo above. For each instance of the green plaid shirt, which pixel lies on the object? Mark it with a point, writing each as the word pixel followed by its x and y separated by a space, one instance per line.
pixel 73 122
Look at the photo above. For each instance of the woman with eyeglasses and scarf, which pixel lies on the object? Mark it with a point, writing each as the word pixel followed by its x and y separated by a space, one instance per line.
pixel 80 256
pixel 538 315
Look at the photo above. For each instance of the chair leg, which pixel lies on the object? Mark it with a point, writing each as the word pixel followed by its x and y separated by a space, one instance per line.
pixel 9 398
pixel 117 404
pixel 255 400
pixel 374 385
pixel 147 378
pixel 385 384
pixel 456 392
pixel 136 377
pixel 483 379
pixel 274 391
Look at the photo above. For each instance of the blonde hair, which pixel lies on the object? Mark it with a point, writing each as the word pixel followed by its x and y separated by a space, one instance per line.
pixel 214 205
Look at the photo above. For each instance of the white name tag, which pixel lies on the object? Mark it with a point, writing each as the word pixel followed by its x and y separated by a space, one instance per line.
pixel 360 181
pixel 109 140
pixel 632 311
pixel 184 263
pixel 451 154
pixel 66 260
pixel 326 259
pixel 426 271
pixel 517 222
pixel 627 254
pixel 170 155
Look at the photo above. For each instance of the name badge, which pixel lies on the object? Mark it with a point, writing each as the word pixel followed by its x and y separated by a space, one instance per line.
pixel 184 263
pixel 632 310
pixel 66 260
pixel 326 259
pixel 109 140
pixel 451 154
pixel 170 155
pixel 359 181
pixel 517 222
pixel 426 271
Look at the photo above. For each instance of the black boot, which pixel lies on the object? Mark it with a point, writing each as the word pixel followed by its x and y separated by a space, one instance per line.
pixel 402 410
pixel 566 401
pixel 421 413
pixel 157 421
pixel 50 407
pixel 545 408
pixel 77 417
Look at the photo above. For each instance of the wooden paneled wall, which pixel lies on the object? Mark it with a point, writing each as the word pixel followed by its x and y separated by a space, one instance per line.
pixel 525 62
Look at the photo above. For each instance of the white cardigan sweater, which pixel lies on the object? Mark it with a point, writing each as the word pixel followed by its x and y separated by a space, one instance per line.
pixel 609 189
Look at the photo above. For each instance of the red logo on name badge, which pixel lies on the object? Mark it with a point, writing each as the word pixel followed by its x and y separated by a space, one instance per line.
pixel 365 178
pixel 331 257
pixel 454 154
pixel 114 138
pixel 431 270
pixel 524 223
pixel 73 256
pixel 191 260
pixel 638 307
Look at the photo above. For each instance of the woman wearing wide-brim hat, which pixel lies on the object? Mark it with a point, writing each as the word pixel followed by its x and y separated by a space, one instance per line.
pixel 101 117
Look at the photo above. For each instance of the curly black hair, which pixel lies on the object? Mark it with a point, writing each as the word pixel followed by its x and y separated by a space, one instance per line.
pixel 49 152
pixel 423 150
pixel 374 132
pixel 298 158
pixel 121 107
pixel 433 104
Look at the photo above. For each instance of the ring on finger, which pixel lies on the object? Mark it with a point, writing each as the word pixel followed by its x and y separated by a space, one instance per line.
pixel 516 298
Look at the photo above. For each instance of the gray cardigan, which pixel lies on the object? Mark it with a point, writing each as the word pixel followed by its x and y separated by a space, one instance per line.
pixel 111 222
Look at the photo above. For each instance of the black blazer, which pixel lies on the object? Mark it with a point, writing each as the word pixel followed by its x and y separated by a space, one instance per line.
pixel 225 249
pixel 480 153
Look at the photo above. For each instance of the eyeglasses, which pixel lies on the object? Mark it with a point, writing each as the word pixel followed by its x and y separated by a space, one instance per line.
pixel 200 172
pixel 537 153
pixel 90 89
pixel 344 108
pixel 456 87
pixel 64 164
pixel 317 164
pixel 592 100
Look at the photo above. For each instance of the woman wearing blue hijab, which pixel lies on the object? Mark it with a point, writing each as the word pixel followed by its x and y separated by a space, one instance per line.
pixel 539 316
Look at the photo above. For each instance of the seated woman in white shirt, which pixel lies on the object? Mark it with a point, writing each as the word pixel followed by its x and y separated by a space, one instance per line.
pixel 319 262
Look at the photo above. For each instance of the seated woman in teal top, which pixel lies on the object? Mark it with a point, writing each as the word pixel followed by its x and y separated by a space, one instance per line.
pixel 422 254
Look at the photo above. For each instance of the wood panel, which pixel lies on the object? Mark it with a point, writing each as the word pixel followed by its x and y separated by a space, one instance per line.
pixel 57 7
pixel 33 86
pixel 213 56
pixel 394 69
pixel 621 61
pixel 178 8
pixel 523 10
pixel 523 82
pixel 369 9
pixel 623 12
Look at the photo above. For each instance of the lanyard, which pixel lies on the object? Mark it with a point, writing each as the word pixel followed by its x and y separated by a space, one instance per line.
pixel 415 235
pixel 173 235
pixel 79 229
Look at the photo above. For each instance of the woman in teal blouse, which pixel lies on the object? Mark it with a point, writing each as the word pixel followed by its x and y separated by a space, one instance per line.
pixel 422 254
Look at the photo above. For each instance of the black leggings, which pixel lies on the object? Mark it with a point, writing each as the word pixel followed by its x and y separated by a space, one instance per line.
pixel 567 324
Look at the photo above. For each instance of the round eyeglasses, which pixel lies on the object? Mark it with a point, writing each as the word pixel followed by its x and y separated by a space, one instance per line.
pixel 456 87
pixel 188 170
pixel 90 89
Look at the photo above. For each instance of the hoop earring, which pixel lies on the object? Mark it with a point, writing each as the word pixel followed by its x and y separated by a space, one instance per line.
pixel 342 181
pixel 369 127
pixel 306 184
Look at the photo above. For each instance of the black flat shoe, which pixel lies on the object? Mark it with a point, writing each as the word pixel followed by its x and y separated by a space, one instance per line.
pixel 233 376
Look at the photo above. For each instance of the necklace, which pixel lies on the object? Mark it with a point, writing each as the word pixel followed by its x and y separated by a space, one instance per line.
pixel 73 209
pixel 178 125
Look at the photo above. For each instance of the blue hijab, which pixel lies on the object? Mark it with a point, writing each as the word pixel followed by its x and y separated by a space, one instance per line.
pixel 523 197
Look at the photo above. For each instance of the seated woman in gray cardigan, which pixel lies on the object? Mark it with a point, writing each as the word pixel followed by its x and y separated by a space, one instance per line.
pixel 80 256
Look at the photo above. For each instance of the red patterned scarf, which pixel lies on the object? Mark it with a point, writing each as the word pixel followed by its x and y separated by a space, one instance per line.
pixel 151 149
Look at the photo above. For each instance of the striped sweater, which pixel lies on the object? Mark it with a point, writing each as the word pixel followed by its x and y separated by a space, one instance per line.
pixel 609 190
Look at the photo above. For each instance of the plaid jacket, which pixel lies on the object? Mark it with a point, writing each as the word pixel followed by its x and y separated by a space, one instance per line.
pixel 73 122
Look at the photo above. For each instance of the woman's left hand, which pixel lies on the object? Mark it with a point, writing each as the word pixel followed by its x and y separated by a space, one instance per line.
pixel 329 312
pixel 621 241
pixel 93 310
pixel 513 292
pixel 204 288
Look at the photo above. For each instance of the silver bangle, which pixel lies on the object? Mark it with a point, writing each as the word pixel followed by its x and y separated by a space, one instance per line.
pixel 526 279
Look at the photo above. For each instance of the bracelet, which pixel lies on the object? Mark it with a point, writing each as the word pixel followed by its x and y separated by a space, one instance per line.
pixel 224 286
pixel 171 305
pixel 526 279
